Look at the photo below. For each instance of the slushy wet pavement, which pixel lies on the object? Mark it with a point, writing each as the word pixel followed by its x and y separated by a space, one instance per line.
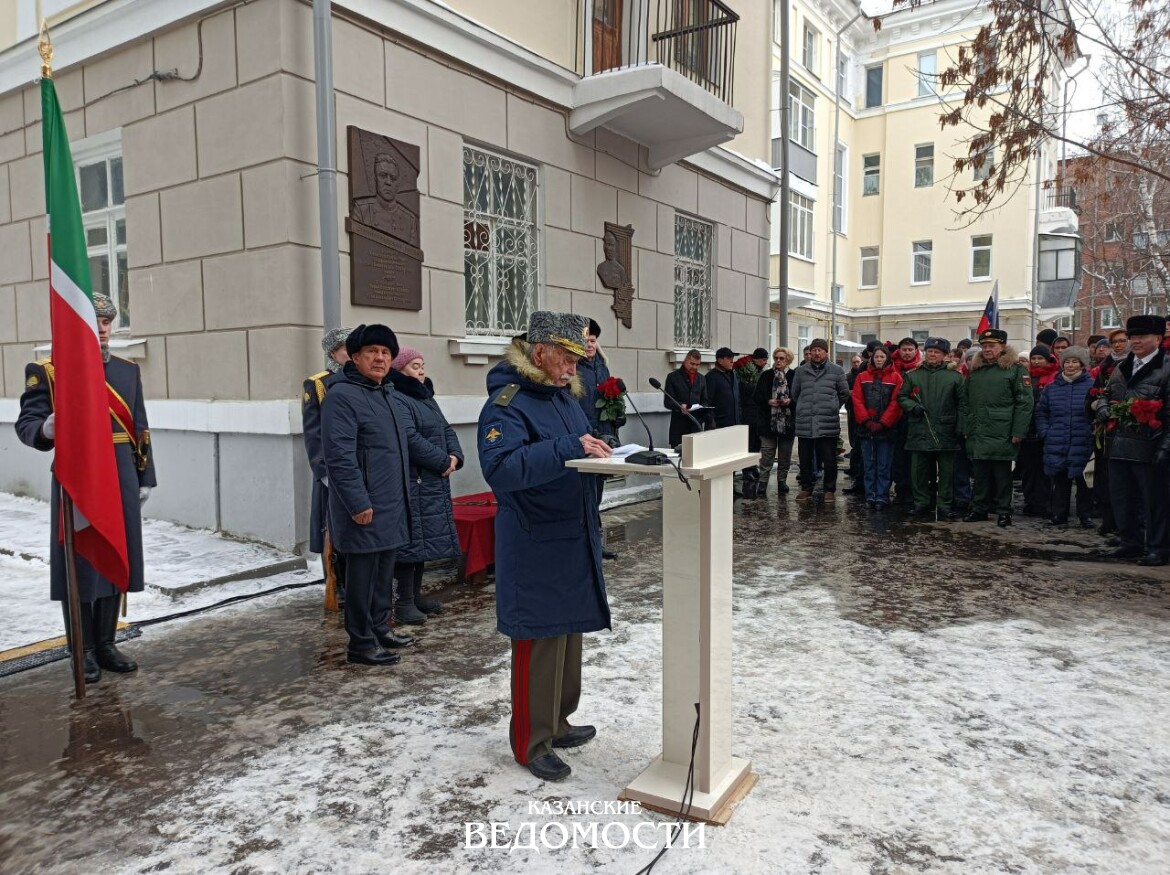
pixel 914 697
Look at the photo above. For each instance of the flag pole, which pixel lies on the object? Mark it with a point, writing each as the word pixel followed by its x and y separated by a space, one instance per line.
pixel 73 597
pixel 77 650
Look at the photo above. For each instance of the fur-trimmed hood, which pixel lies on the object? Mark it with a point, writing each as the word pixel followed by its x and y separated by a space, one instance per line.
pixel 1010 357
pixel 516 360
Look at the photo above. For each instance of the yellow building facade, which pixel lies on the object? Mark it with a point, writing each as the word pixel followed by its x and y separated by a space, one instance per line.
pixel 908 262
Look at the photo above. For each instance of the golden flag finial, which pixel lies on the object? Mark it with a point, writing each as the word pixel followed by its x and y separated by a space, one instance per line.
pixel 45 47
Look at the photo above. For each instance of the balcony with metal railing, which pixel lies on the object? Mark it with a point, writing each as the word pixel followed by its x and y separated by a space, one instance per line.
pixel 659 72
pixel 1058 209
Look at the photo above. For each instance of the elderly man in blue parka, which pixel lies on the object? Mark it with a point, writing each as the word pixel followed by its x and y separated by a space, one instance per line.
pixel 549 585
pixel 366 449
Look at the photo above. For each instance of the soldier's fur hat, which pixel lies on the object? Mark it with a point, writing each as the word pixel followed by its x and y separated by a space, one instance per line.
pixel 103 306
pixel 334 338
pixel 565 330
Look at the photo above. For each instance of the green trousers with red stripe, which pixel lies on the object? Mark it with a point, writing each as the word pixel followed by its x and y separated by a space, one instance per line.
pixel 546 687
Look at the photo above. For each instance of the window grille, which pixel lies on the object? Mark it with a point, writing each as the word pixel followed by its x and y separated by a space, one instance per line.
pixel 692 282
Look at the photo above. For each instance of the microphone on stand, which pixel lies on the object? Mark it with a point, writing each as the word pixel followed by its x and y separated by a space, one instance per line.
pixel 642 457
pixel 657 384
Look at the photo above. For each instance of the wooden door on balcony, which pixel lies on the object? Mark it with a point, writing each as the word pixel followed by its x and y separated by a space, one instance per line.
pixel 607 34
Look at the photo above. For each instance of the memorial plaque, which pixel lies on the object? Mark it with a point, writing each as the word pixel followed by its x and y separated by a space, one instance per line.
pixel 614 272
pixel 383 222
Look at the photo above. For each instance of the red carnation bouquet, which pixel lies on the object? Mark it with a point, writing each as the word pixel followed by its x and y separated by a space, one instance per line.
pixel 611 399
pixel 746 370
pixel 1133 414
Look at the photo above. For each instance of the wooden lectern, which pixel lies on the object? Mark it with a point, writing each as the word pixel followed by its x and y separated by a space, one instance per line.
pixel 696 626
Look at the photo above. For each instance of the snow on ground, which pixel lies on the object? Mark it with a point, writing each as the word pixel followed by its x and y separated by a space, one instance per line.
pixel 177 560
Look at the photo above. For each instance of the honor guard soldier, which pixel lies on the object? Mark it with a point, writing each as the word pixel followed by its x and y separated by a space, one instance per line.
pixel 35 426
pixel 549 584
pixel 313 394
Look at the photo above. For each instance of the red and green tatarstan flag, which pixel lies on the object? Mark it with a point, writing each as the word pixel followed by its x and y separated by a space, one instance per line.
pixel 84 453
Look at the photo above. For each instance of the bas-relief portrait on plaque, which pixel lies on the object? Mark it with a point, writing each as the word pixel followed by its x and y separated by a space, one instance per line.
pixel 614 272
pixel 383 221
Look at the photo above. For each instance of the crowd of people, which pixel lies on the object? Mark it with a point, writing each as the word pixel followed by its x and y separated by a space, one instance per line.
pixel 947 430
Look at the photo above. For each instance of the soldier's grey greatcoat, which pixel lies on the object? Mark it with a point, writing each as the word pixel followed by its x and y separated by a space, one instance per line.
pixel 35 406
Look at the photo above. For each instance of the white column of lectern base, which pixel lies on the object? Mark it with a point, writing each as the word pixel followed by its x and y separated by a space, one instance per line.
pixel 696 630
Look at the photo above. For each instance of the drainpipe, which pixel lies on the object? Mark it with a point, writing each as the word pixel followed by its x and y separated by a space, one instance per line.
pixel 836 182
pixel 784 10
pixel 327 164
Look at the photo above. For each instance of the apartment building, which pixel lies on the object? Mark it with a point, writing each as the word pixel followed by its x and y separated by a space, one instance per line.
pixel 905 262
pixel 534 125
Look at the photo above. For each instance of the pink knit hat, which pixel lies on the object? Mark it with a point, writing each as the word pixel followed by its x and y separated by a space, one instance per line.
pixel 405 356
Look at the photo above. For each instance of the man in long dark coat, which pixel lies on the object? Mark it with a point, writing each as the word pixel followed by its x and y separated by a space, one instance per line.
pixel 549 584
pixel 100 599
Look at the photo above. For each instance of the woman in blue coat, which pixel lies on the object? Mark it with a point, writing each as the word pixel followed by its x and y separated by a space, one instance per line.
pixel 435 455
pixel 1067 432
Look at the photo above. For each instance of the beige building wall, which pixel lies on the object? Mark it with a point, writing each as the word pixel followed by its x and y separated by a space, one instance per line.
pixel 550 27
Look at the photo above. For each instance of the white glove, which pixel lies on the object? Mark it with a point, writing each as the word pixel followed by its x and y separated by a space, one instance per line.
pixel 143 495
pixel 49 426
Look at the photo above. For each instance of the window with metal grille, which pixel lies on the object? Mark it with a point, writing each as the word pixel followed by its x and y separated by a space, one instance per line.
pixel 103 215
pixel 981 257
pixel 693 267
pixel 924 165
pixel 870 266
pixel 500 242
pixel 800 224
pixel 871 174
pixel 802 116
pixel 923 254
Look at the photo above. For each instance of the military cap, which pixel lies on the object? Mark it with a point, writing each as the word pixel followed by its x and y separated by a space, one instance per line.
pixel 565 330
pixel 103 306
pixel 1146 323
pixel 371 335
pixel 992 335
pixel 334 338
pixel 939 343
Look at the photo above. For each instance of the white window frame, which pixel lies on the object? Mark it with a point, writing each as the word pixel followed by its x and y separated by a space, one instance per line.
pixel 841 181
pixel 688 268
pixel 800 226
pixel 1114 320
pixel 921 249
pixel 881 97
pixel 106 148
pixel 923 161
pixel 927 78
pixel 809 40
pixel 876 258
pixel 803 339
pixel 981 168
pixel 533 226
pixel 920 335
pixel 844 63
pixel 802 115
pixel 977 247
pixel 866 175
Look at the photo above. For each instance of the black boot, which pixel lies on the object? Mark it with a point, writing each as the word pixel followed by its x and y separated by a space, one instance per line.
pixel 93 671
pixel 106 628
pixel 427 606
pixel 751 490
pixel 1003 520
pixel 405 611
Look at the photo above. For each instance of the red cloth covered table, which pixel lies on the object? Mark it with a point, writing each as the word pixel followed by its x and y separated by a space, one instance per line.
pixel 475 523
